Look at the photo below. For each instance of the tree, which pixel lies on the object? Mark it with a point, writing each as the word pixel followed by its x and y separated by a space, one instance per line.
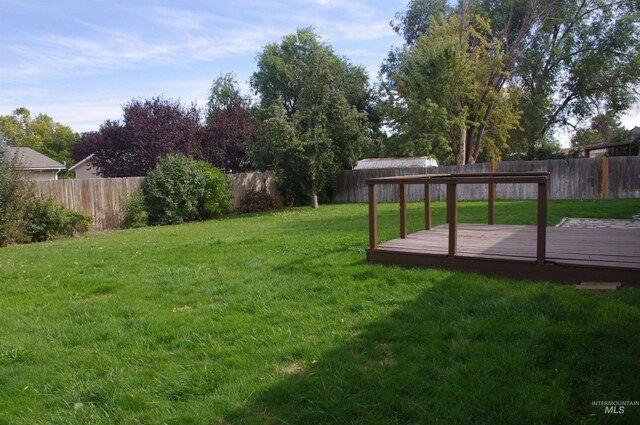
pixel 41 134
pixel 227 136
pixel 604 128
pixel 415 21
pixel 584 56
pixel 451 96
pixel 151 129
pixel 228 126
pixel 224 92
pixel 568 58
pixel 87 145
pixel 308 105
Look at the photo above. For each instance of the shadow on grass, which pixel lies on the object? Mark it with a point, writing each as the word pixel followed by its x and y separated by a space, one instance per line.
pixel 469 350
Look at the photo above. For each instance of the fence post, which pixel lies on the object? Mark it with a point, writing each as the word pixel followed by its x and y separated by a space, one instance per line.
pixel 427 206
pixel 491 196
pixel 452 217
pixel 605 171
pixel 403 211
pixel 373 217
pixel 542 222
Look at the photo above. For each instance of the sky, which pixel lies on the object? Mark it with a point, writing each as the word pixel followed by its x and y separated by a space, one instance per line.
pixel 80 61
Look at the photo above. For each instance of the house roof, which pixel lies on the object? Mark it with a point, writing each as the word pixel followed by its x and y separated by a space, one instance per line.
pixel 608 145
pixel 81 162
pixel 32 160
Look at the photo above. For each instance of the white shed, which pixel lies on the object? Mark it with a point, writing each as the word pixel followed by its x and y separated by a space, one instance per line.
pixel 408 162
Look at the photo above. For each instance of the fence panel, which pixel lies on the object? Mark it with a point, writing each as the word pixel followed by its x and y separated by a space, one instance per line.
pixel 104 199
pixel 570 179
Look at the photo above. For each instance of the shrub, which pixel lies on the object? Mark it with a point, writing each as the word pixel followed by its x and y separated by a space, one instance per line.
pixel 135 213
pixel 16 194
pixel 173 191
pixel 46 220
pixel 27 218
pixel 258 200
pixel 217 195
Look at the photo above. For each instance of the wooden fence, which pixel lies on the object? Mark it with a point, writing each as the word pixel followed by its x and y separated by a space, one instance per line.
pixel 104 199
pixel 570 179
pixel 244 182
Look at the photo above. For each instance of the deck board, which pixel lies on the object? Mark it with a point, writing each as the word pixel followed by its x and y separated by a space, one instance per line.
pixel 573 251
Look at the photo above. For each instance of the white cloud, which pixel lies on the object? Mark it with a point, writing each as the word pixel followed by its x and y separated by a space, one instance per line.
pixel 81 67
pixel 188 20
pixel 357 9
pixel 359 31
pixel 63 55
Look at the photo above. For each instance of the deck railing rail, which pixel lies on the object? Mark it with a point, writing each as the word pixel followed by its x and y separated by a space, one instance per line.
pixel 452 181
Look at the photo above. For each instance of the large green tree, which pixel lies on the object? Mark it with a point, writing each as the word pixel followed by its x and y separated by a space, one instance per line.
pixel 584 56
pixel 41 134
pixel 312 108
pixel 450 92
pixel 570 58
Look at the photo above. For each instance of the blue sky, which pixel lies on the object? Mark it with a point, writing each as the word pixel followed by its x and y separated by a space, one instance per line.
pixel 79 61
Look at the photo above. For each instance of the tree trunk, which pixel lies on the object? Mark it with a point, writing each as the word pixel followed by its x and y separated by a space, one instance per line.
pixel 314 196
pixel 462 146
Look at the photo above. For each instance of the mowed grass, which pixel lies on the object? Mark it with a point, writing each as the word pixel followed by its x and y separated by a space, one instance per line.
pixel 277 318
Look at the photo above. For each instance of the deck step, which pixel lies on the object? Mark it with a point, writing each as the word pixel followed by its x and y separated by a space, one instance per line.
pixel 599 286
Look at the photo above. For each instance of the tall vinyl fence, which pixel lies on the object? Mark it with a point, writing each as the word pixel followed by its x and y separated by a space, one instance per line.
pixel 104 199
pixel 585 178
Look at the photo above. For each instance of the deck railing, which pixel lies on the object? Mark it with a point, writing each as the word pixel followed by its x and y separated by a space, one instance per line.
pixel 452 181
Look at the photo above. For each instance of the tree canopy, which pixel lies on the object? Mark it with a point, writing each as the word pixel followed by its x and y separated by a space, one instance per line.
pixel 603 128
pixel 309 100
pixel 450 98
pixel 567 59
pixel 224 91
pixel 150 129
pixel 229 126
pixel 41 134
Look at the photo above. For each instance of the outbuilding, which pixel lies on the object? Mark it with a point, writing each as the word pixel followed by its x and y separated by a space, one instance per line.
pixel 85 169
pixel 408 162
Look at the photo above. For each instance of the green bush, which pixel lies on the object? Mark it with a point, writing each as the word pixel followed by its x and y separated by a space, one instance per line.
pixel 27 218
pixel 217 195
pixel 46 220
pixel 16 195
pixel 258 200
pixel 180 189
pixel 135 213
pixel 173 191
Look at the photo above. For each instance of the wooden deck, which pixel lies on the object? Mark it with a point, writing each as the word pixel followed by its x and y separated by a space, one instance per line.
pixel 572 255
pixel 529 252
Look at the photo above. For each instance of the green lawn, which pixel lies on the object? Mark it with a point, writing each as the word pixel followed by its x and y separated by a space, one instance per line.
pixel 277 318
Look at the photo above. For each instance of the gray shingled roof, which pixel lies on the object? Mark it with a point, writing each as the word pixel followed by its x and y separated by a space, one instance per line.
pixel 32 160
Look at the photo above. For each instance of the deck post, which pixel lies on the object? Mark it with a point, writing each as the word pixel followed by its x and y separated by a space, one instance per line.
pixel 452 217
pixel 542 222
pixel 403 211
pixel 492 197
pixel 373 217
pixel 427 206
